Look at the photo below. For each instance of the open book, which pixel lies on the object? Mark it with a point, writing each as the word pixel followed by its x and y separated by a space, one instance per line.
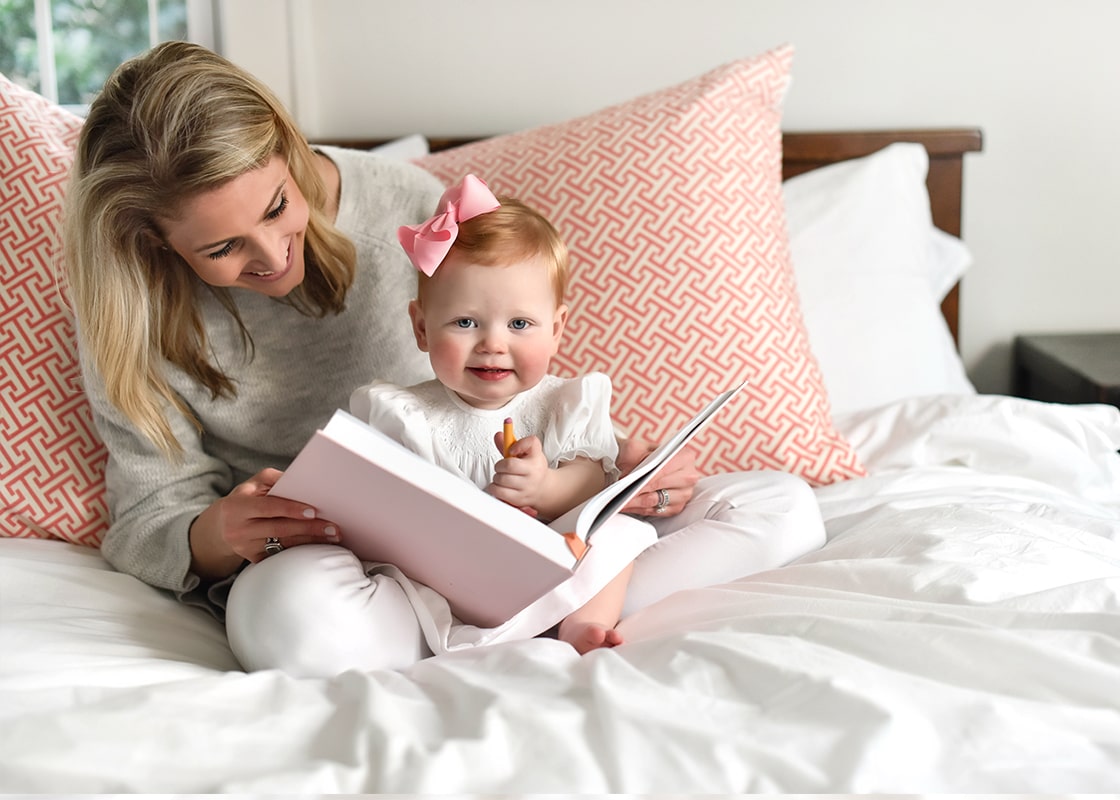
pixel 488 559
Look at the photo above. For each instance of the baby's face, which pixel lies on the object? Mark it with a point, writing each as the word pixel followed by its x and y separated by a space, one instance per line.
pixel 490 332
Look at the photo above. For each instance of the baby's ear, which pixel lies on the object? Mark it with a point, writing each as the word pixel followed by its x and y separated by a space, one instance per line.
pixel 416 314
pixel 559 320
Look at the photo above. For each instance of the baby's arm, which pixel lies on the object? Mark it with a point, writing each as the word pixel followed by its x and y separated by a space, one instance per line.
pixel 525 480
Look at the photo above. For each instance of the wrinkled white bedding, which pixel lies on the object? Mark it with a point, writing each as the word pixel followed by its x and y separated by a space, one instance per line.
pixel 960 631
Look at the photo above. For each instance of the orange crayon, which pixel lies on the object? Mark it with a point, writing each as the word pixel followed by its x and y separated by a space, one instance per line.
pixel 575 544
pixel 508 439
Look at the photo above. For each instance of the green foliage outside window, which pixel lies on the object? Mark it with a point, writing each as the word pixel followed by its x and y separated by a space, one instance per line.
pixel 19 52
pixel 91 37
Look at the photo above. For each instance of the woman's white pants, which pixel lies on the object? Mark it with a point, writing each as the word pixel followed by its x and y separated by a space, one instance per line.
pixel 314 611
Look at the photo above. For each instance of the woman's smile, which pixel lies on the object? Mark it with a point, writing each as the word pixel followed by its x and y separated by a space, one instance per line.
pixel 273 275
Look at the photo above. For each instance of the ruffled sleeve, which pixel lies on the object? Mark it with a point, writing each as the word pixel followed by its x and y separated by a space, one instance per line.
pixel 396 412
pixel 580 424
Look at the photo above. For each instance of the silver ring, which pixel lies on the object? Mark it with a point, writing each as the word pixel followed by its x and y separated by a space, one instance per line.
pixel 272 546
pixel 662 501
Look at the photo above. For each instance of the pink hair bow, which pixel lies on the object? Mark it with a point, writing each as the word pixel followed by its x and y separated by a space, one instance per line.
pixel 428 243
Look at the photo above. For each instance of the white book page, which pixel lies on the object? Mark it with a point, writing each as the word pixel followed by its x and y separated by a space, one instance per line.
pixel 584 519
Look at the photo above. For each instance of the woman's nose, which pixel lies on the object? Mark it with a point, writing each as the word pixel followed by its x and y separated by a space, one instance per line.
pixel 271 251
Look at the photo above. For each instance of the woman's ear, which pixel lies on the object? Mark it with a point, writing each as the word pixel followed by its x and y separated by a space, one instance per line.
pixel 416 314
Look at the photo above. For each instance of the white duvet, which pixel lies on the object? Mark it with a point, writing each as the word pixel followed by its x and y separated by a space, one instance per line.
pixel 959 632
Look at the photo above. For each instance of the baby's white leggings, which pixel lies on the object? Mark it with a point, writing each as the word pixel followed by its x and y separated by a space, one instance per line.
pixel 313 611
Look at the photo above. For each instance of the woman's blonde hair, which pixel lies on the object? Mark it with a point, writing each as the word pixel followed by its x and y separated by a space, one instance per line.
pixel 513 232
pixel 168 125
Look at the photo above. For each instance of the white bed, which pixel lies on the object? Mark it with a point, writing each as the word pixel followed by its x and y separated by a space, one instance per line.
pixel 958 632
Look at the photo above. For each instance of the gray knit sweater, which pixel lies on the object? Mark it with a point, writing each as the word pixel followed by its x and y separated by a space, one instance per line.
pixel 302 369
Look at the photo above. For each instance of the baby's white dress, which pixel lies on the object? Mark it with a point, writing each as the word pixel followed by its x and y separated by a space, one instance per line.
pixel 571 417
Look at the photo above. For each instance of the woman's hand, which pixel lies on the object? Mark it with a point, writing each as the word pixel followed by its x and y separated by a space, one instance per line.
pixel 234 528
pixel 670 488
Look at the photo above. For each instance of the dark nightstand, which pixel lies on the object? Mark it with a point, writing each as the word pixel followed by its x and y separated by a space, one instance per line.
pixel 1069 367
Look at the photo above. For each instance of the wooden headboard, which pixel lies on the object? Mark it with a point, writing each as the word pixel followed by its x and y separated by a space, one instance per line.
pixel 804 151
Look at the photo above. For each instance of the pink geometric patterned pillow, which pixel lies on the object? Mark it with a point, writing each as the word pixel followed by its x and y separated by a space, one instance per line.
pixel 52 464
pixel 682 284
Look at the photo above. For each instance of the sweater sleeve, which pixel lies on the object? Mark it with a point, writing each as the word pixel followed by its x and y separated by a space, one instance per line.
pixel 153 500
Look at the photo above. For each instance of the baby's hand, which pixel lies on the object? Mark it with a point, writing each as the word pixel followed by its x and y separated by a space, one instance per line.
pixel 520 477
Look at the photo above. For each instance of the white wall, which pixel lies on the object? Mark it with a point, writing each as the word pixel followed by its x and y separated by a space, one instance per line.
pixel 1041 78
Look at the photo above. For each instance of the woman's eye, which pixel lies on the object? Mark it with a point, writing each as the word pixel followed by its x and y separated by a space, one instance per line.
pixel 274 213
pixel 225 251
pixel 519 324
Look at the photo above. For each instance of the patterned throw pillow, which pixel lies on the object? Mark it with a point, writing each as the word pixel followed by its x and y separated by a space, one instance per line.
pixel 51 462
pixel 682 285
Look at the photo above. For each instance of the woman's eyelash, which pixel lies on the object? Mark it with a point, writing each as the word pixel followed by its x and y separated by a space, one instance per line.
pixel 225 251
pixel 274 213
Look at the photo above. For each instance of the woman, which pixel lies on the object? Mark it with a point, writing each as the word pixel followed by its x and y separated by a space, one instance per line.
pixel 231 288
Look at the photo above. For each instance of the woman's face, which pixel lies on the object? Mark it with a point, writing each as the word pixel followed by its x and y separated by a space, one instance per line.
pixel 247 233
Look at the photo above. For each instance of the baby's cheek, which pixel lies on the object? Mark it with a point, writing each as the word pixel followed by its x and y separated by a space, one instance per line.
pixel 445 356
pixel 536 364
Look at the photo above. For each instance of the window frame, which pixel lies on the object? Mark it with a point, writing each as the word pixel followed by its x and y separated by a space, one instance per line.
pixel 202 28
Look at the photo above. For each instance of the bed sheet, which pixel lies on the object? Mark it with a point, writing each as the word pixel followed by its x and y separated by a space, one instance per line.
pixel 960 631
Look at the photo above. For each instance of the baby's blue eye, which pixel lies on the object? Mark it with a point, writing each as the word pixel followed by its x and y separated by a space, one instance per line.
pixel 464 323
pixel 519 324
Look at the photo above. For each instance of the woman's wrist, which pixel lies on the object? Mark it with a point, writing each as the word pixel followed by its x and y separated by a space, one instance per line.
pixel 211 556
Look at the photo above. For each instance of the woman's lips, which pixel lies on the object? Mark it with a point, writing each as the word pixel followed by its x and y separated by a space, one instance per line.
pixel 273 276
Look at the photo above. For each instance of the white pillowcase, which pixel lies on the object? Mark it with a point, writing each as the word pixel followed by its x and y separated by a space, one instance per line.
pixel 871 271
pixel 406 148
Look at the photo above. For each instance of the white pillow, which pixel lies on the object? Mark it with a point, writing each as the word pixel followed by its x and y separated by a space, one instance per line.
pixel 946 262
pixel 871 271
pixel 405 148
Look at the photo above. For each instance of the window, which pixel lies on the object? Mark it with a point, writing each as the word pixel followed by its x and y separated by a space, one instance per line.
pixel 65 49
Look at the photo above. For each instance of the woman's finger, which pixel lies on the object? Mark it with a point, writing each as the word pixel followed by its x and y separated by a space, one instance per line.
pixel 282 539
pixel 678 472
pixel 631 452
pixel 250 517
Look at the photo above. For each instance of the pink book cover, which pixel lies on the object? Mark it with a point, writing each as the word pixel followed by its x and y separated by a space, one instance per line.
pixel 487 558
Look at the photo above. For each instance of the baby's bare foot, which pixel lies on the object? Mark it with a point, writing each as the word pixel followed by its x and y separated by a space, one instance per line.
pixel 588 636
